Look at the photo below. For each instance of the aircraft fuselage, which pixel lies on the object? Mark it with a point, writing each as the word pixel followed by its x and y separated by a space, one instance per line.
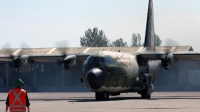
pixel 116 72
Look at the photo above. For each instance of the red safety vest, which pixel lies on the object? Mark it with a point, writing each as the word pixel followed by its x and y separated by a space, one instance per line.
pixel 17 100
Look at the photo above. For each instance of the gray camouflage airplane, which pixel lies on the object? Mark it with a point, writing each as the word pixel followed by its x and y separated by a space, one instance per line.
pixel 111 73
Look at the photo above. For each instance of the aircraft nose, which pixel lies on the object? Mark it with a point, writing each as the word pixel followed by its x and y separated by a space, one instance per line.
pixel 95 78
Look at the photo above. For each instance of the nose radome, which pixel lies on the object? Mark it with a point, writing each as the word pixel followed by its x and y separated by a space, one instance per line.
pixel 95 78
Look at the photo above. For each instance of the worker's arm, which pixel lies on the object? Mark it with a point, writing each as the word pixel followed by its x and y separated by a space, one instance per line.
pixel 28 109
pixel 7 103
pixel 27 103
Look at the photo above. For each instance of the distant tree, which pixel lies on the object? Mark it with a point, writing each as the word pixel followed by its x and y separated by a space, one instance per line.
pixel 157 40
pixel 136 40
pixel 119 43
pixel 94 38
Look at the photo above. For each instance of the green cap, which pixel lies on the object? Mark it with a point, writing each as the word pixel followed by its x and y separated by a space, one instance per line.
pixel 18 83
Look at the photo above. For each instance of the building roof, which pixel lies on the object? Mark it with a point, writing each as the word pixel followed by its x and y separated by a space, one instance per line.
pixel 76 50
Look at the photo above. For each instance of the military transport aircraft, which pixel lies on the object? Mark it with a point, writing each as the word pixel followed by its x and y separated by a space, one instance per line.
pixel 111 73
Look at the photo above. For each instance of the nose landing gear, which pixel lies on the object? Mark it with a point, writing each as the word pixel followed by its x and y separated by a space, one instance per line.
pixel 102 96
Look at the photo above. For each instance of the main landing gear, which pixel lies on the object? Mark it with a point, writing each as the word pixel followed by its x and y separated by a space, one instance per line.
pixel 146 93
pixel 148 80
pixel 146 96
pixel 102 96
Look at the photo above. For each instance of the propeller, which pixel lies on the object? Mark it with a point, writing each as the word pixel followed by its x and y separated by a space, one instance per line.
pixel 170 42
pixel 61 44
pixel 61 47
pixel 17 55
pixel 168 59
pixel 69 61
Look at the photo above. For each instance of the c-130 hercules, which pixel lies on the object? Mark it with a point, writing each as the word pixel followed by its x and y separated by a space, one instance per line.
pixel 111 73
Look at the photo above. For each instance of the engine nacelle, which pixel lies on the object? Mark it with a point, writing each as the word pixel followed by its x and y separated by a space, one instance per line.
pixel 22 62
pixel 69 62
pixel 167 60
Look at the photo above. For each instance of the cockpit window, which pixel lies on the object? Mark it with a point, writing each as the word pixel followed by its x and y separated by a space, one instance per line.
pixel 101 60
pixel 86 61
pixel 94 60
pixel 109 60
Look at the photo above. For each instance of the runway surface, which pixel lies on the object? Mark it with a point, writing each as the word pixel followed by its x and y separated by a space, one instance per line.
pixel 131 102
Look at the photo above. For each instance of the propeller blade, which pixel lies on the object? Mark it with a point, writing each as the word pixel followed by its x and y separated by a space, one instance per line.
pixel 25 49
pixel 61 44
pixel 24 45
pixel 5 49
pixel 61 48
pixel 169 43
pixel 15 53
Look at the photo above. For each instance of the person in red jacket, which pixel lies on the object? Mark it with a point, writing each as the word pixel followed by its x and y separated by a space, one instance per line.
pixel 17 99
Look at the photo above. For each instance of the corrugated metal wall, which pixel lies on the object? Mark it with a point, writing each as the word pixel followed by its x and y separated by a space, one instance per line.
pixel 184 76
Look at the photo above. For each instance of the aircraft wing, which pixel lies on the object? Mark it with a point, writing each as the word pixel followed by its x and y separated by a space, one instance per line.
pixel 55 58
pixel 45 57
pixel 5 58
pixel 189 55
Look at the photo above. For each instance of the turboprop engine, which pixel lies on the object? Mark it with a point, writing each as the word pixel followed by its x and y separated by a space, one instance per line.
pixel 167 60
pixel 69 62
pixel 21 62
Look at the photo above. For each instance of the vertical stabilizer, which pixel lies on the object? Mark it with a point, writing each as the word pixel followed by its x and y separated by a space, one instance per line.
pixel 149 43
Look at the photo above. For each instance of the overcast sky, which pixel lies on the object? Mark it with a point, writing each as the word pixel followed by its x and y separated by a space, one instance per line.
pixel 42 23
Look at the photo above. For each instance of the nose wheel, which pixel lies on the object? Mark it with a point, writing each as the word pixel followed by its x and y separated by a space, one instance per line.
pixel 102 96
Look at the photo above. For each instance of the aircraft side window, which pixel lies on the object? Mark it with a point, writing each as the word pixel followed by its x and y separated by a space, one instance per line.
pixel 111 60
pixel 106 60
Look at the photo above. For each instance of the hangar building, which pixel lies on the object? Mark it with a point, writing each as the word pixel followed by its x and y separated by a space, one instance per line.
pixel 52 77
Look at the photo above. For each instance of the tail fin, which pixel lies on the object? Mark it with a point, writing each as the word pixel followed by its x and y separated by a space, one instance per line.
pixel 149 43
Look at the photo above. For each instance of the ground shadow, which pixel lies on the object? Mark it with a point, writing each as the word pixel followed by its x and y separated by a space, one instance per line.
pixel 92 99
pixel 110 99
pixel 134 98
pixel 86 99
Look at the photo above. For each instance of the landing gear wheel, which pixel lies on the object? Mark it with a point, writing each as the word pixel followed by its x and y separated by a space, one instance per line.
pixel 98 96
pixel 146 96
pixel 102 96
